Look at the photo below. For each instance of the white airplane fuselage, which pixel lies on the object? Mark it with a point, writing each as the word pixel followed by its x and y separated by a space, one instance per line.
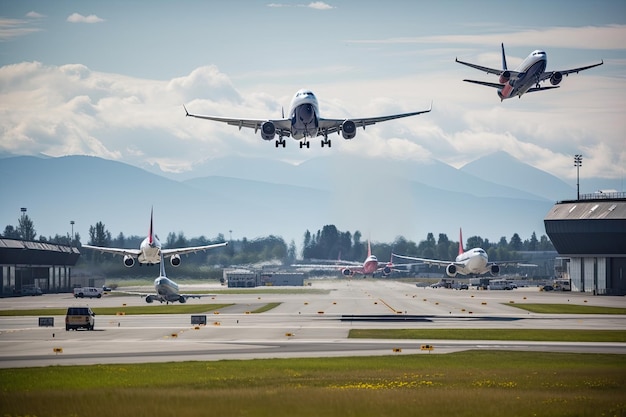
pixel 150 251
pixel 530 72
pixel 474 260
pixel 166 289
pixel 304 114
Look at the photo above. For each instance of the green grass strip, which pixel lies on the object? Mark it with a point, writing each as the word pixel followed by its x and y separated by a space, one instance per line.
pixel 544 335
pixel 266 307
pixel 567 309
pixel 127 310
pixel 459 384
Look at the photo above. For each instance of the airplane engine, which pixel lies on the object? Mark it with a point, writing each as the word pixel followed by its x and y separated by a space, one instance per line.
pixel 494 270
pixel 268 130
pixel 556 78
pixel 451 270
pixel 175 260
pixel 505 77
pixel 149 299
pixel 386 270
pixel 348 129
pixel 182 300
pixel 129 261
pixel 346 272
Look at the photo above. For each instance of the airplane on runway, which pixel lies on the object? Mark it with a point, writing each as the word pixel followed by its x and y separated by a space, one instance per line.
pixel 473 262
pixel 150 251
pixel 526 78
pixel 166 289
pixel 305 122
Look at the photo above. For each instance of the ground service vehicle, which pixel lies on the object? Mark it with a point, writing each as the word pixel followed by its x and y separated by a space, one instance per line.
pixel 79 318
pixel 90 292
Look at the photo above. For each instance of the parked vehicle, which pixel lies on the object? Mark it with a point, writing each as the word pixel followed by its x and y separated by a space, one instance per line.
pixel 31 290
pixel 89 292
pixel 79 318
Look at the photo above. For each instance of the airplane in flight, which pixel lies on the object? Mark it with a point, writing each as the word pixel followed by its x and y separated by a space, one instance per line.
pixel 305 122
pixel 526 78
pixel 150 250
pixel 370 266
pixel 473 262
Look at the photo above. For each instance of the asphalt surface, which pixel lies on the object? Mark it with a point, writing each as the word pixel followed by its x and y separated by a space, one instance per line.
pixel 310 324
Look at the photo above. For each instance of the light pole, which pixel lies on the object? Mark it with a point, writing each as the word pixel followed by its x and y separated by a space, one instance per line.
pixel 578 162
pixel 72 237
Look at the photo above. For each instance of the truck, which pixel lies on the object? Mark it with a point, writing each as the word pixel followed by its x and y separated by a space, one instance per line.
pixel 89 292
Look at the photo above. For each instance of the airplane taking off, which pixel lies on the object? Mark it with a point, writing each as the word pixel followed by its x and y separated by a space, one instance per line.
pixel 305 122
pixel 472 262
pixel 526 77
pixel 370 266
pixel 150 251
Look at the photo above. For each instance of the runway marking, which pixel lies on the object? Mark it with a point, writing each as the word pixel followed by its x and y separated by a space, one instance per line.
pixel 388 306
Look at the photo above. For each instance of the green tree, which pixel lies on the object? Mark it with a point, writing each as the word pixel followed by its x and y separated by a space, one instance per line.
pixel 99 236
pixel 516 243
pixel 11 232
pixel 25 228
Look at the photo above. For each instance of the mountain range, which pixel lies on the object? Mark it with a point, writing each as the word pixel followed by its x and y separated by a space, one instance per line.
pixel 491 197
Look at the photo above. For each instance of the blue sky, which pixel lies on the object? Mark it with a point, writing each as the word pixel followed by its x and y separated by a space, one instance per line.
pixel 109 79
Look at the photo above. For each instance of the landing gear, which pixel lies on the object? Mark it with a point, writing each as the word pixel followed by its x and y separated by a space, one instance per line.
pixel 326 142
pixel 306 143
pixel 280 141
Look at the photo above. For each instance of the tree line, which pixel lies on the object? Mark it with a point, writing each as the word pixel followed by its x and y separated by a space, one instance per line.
pixel 326 243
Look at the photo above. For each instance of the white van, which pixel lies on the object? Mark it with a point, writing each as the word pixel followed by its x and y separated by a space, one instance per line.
pixel 89 292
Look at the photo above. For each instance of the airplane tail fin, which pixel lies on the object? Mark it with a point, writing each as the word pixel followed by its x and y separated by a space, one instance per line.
pixel 162 266
pixel 369 249
pixel 503 58
pixel 461 250
pixel 151 231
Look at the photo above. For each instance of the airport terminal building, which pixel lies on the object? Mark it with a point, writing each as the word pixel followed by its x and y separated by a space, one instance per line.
pixel 590 235
pixel 27 265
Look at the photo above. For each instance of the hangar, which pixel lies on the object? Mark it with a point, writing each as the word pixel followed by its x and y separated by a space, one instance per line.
pixel 590 233
pixel 27 265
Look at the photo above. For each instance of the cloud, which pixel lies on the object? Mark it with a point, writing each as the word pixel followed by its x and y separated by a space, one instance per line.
pixel 585 37
pixel 79 18
pixel 14 28
pixel 71 109
pixel 35 15
pixel 317 5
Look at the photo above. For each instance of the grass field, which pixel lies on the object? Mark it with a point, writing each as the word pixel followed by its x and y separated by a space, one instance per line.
pixel 477 383
pixel 568 309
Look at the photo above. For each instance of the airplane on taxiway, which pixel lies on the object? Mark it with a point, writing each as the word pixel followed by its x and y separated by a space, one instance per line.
pixel 305 122
pixel 150 251
pixel 370 266
pixel 473 262
pixel 526 78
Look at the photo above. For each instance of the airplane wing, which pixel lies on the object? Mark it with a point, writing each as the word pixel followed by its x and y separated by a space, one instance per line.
pixel 547 75
pixel 481 68
pixel 488 84
pixel 115 251
pixel 283 126
pixel 329 126
pixel 182 251
pixel 435 262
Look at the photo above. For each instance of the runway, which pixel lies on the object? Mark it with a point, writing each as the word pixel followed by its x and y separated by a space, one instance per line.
pixel 309 324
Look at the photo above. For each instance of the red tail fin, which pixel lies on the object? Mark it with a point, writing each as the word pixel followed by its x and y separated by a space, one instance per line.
pixel 151 231
pixel 461 241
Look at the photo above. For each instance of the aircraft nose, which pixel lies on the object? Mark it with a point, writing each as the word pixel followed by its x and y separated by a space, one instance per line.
pixel 305 113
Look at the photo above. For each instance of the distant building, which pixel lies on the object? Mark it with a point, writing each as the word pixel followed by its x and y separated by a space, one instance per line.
pixel 27 265
pixel 244 278
pixel 590 234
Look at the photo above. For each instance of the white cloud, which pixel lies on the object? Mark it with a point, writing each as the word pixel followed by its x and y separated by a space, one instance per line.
pixel 34 15
pixel 14 28
pixel 585 37
pixel 70 109
pixel 79 18
pixel 317 5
